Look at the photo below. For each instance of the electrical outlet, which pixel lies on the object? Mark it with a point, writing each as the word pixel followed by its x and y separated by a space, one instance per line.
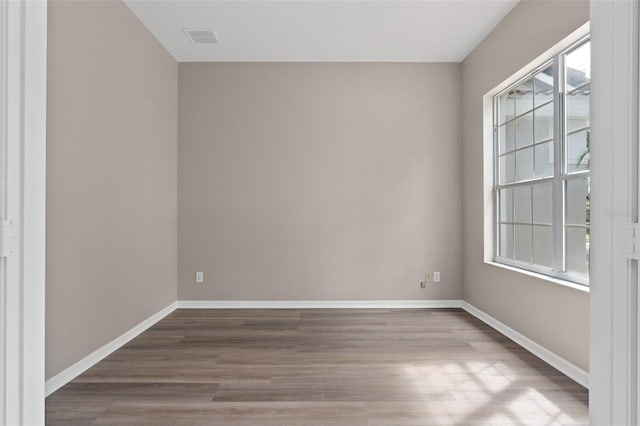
pixel 436 277
pixel 199 277
pixel 428 277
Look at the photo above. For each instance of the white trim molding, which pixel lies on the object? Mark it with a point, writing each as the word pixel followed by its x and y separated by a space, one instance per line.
pixel 73 371
pixel 614 362
pixel 318 304
pixel 23 79
pixel 556 361
pixel 70 373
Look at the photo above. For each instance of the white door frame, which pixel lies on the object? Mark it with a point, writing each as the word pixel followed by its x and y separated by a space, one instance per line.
pixel 23 55
pixel 615 231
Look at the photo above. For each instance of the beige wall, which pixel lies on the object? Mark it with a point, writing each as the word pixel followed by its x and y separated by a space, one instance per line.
pixel 554 316
pixel 319 181
pixel 111 178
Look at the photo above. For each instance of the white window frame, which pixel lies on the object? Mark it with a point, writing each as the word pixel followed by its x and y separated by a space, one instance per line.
pixel 554 274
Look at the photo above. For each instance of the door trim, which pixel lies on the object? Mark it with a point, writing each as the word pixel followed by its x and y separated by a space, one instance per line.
pixel 614 213
pixel 23 56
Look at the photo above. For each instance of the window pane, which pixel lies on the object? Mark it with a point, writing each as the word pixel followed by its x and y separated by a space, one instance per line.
pixel 524 97
pixel 506 241
pixel 578 109
pixel 522 243
pixel 506 105
pixel 542 204
pixel 522 204
pixel 524 130
pixel 506 205
pixel 507 137
pixel 578 72
pixel 544 123
pixel 577 251
pixel 543 84
pixel 544 159
pixel 507 168
pixel 524 164
pixel 577 201
pixel 578 155
pixel 578 86
pixel 543 246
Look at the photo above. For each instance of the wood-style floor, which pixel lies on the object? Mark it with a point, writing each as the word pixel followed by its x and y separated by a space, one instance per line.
pixel 320 367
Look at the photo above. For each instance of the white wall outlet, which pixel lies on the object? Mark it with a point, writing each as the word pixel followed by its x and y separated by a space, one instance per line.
pixel 428 277
pixel 436 277
pixel 199 277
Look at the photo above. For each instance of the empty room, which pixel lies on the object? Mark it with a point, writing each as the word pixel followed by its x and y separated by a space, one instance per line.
pixel 316 212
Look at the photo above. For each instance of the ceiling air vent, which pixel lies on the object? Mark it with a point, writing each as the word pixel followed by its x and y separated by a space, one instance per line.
pixel 201 36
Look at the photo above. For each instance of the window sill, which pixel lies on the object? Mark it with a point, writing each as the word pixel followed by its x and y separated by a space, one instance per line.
pixel 579 287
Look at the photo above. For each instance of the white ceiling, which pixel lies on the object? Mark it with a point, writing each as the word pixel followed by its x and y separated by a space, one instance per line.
pixel 323 30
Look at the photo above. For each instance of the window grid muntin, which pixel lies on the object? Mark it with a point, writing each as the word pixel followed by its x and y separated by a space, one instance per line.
pixel 561 171
pixel 511 120
pixel 498 125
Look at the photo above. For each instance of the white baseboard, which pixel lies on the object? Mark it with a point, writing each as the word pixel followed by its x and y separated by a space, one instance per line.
pixel 317 304
pixel 70 373
pixel 556 361
pixel 561 364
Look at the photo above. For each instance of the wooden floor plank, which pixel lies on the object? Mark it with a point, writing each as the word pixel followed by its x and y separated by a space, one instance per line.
pixel 320 367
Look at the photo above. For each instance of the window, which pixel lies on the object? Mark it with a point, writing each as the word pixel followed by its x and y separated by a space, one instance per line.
pixel 541 167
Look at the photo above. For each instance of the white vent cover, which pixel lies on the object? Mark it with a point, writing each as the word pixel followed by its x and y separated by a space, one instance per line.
pixel 201 36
